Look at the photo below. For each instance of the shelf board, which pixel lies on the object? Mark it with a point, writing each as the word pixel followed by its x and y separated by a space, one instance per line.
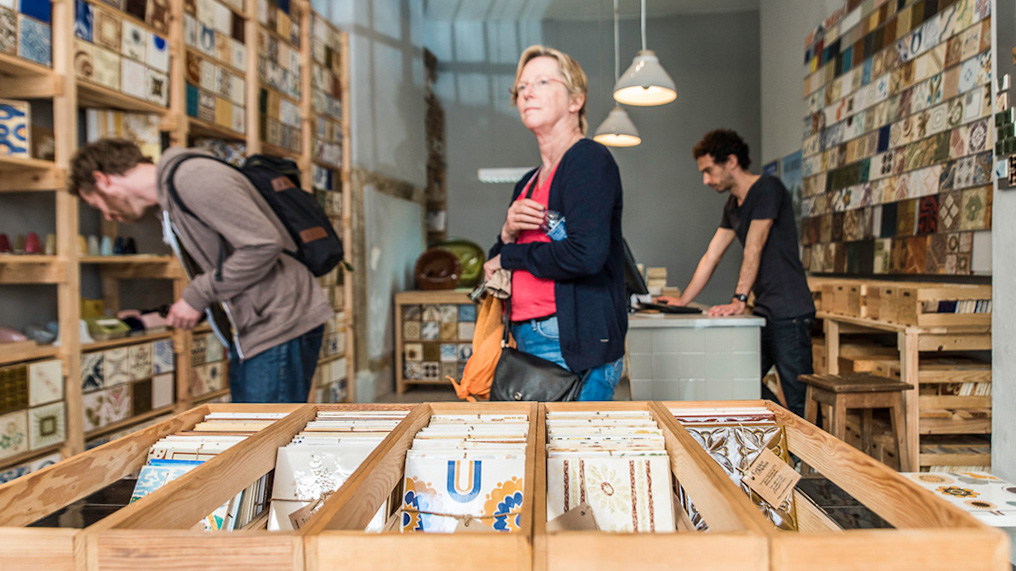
pixel 20 67
pixel 327 165
pixel 331 358
pixel 92 95
pixel 270 149
pixel 124 341
pixel 120 425
pixel 30 455
pixel 209 396
pixel 121 259
pixel 8 163
pixel 199 128
pixel 31 269
pixel 30 354
pixel 137 266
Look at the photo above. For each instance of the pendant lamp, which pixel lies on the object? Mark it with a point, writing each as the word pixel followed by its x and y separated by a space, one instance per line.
pixel 617 130
pixel 645 82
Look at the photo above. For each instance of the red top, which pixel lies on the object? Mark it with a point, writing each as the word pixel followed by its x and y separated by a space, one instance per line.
pixel 533 297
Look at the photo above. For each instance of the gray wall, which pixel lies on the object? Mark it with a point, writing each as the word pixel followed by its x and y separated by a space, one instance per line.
pixel 1003 319
pixel 669 215
pixel 784 24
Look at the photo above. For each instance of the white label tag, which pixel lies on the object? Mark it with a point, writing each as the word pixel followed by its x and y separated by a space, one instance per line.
pixel 771 477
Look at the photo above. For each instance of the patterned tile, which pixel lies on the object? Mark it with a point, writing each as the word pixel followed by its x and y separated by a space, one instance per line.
pixel 916 252
pixel 107 29
pixel 83 20
pixel 8 31
pixel 163 358
pixel 13 434
pixel 975 209
pixel 84 66
pixel 134 41
pixel 15 134
pixel 116 366
pixel 106 69
pixel 45 382
pixel 92 371
pixel 46 425
pixel 936 254
pixel 927 215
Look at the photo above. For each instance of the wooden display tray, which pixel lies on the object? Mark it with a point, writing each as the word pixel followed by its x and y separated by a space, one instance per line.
pixel 930 534
pixel 735 540
pixel 335 537
pixel 156 532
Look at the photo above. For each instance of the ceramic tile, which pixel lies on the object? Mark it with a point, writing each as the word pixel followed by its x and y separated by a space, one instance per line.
pixel 916 254
pixel 163 358
pixel 46 425
pixel 158 15
pixel 206 39
pixel 239 119
pixel 34 41
pixel 107 29
pixel 986 497
pixel 83 20
pixel 430 331
pixel 158 53
pixel 157 90
pixel 412 312
pixel 223 112
pixel 133 41
pixel 927 215
pixel 15 134
pixel 898 256
pixel 134 78
pixel 141 397
pixel 92 371
pixel 935 257
pixel 882 256
pixel 116 366
pixel 84 66
pixel 978 136
pixel 45 380
pixel 974 213
pixel 106 71
pixel 449 331
pixel 163 391
pixel 206 107
pixel 92 405
pixel 140 361
pixel 413 370
pixel 431 370
pixel 14 434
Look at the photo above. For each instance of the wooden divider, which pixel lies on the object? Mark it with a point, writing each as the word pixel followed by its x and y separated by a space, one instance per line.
pixel 930 533
pixel 338 540
pixel 735 540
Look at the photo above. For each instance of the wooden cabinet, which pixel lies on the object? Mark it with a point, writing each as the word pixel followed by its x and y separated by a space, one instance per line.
pixel 433 336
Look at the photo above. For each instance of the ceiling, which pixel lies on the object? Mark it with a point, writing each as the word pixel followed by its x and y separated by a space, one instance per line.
pixel 573 10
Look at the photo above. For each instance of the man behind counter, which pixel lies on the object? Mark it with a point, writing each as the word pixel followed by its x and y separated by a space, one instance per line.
pixel 760 215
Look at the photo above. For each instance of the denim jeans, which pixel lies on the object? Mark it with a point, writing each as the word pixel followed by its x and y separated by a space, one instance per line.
pixel 541 338
pixel 283 373
pixel 786 343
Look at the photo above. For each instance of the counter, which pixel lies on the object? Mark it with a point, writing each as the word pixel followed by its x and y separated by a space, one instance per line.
pixel 694 357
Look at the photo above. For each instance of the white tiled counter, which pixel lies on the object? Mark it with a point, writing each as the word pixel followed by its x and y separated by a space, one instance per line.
pixel 694 357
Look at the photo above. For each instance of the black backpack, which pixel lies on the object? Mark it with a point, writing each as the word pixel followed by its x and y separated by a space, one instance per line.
pixel 278 181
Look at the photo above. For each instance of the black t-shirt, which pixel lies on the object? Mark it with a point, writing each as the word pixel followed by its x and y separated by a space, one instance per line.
pixel 781 290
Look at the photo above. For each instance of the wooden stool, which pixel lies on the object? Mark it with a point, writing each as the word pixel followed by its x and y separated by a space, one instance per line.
pixel 861 391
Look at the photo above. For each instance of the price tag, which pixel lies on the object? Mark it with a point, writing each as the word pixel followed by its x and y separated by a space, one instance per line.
pixel 771 477
pixel 579 518
pixel 473 524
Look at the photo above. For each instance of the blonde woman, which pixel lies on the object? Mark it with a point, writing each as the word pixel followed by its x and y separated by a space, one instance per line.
pixel 568 299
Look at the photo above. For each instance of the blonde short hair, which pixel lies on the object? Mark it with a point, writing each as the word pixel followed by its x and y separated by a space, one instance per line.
pixel 574 78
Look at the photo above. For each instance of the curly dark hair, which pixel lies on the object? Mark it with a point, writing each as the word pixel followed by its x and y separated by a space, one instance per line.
pixel 722 143
pixel 109 156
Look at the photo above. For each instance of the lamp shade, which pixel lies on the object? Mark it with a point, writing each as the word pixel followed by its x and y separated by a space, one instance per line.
pixel 645 82
pixel 617 130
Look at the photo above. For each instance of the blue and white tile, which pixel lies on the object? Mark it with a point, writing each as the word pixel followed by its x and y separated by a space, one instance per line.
pixel 35 41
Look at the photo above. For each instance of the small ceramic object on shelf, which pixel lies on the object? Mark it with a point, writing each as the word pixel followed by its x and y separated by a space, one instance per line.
pixel 82 245
pixel 93 245
pixel 5 244
pixel 106 249
pixel 50 248
pixel 32 244
pixel 39 334
pixel 8 335
pixel 118 246
pixel 19 244
pixel 131 248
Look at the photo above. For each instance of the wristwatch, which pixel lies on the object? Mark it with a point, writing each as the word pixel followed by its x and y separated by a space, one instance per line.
pixel 743 298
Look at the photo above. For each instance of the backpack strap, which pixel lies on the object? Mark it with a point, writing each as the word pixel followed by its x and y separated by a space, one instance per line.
pixel 175 197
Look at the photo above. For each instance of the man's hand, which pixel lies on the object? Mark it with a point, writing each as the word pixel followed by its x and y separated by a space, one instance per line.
pixel 667 300
pixel 525 214
pixel 182 315
pixel 491 266
pixel 733 308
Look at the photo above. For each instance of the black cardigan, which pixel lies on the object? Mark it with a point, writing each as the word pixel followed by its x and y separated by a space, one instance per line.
pixel 588 266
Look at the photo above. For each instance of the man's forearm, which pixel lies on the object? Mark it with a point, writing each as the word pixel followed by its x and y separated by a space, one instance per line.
pixel 703 272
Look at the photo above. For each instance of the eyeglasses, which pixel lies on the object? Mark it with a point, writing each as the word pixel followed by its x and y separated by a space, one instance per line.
pixel 538 85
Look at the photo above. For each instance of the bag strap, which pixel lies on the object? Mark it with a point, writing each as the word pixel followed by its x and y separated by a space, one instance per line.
pixel 506 320
pixel 532 182
pixel 175 197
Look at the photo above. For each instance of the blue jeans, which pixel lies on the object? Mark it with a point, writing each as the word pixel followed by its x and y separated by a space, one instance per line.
pixel 786 343
pixel 282 373
pixel 541 338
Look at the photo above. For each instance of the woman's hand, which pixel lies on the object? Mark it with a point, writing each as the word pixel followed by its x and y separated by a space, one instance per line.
pixel 492 265
pixel 525 214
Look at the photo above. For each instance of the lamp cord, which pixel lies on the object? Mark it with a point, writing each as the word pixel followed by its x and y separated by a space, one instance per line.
pixel 643 25
pixel 617 48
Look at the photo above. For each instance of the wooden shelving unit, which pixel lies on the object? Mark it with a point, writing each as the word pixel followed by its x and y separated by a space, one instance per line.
pixel 22 79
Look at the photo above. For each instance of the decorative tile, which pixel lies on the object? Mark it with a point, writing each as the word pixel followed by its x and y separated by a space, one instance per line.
pixel 199 381
pixel 117 404
pixel 92 405
pixel 84 66
pixel 411 330
pixel 15 134
pixel 107 29
pixel 157 87
pixel 906 218
pixel 978 135
pixel 413 351
pixel 215 377
pixel 449 352
pixel 430 331
pixel 206 107
pixel 14 388
pixel 134 78
pixel 882 256
pixel 431 312
pixel 916 252
pixel 141 397
pixel 449 369
pixel 133 41
pixel 927 215
pixel 449 331
pixel 159 15
pixel 163 358
pixel 466 330
pixel 92 371
pixel 413 370
pixel 46 425
pixel 8 31
pixel 158 53
pixel 239 119
pixel 106 68
pixel 935 257
pixel 116 366
pixel 136 8
pixel 140 361
pixel 975 209
pixel 83 20
pixel 45 382
pixel 898 256
pixel 13 434
pixel 465 351
pixel 431 371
